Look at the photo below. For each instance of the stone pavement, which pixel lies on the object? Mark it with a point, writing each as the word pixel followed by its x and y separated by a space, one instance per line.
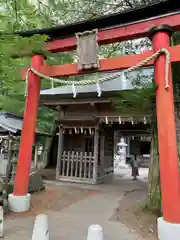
pixel 72 222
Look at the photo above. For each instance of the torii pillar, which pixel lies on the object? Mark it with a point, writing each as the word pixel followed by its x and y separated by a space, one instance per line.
pixel 19 201
pixel 169 224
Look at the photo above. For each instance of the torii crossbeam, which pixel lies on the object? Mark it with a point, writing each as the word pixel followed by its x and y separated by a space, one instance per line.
pixel 162 18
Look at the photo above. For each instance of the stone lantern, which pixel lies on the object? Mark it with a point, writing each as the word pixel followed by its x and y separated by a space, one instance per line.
pixel 120 160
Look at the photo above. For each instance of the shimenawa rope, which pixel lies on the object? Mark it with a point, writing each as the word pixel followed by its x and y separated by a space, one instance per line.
pixel 106 78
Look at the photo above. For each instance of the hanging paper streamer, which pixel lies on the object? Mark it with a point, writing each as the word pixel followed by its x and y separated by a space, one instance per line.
pixel 98 89
pixel 75 130
pixel 120 120
pixel 52 84
pixel 145 120
pixel 74 90
pixel 123 76
pixel 81 130
pixel 106 120
pixel 123 80
pixel 90 131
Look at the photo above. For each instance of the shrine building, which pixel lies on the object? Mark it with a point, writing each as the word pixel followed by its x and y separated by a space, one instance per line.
pixel 89 127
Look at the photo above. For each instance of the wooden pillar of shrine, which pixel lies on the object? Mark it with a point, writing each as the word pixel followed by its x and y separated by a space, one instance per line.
pixel 60 151
pixel 95 165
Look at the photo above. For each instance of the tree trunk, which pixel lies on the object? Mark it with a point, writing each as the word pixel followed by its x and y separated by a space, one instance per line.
pixel 154 191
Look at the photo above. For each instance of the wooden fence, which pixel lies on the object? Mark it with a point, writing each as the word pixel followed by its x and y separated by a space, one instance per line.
pixel 77 165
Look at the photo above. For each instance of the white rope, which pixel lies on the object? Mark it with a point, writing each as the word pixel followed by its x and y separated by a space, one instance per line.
pixel 26 87
pixel 106 78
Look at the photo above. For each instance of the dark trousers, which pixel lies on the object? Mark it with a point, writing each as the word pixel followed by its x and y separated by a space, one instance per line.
pixel 135 171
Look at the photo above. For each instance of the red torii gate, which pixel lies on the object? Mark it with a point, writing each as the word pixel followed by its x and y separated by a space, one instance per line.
pixel 160 35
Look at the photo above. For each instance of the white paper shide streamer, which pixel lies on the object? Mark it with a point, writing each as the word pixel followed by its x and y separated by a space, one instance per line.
pixel 74 90
pixel 98 89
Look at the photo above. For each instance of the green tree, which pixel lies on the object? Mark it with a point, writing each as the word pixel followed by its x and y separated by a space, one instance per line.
pixel 13 17
pixel 142 100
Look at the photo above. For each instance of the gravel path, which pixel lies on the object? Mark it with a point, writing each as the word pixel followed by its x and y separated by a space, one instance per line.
pixel 71 221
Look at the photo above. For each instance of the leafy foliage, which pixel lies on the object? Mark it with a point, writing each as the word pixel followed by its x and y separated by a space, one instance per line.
pixel 12 87
pixel 141 98
pixel 22 15
pixel 131 101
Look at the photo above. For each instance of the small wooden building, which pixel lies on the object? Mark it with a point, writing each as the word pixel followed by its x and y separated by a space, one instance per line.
pixel 10 130
pixel 83 149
